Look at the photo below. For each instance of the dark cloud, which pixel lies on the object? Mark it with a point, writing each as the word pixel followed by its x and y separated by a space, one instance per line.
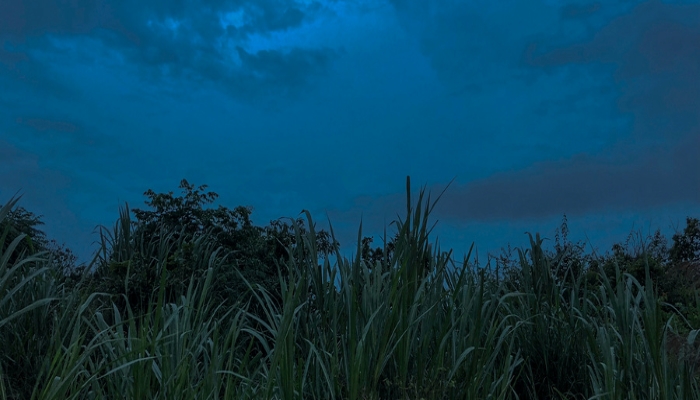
pixel 20 19
pixel 656 53
pixel 277 68
pixel 25 71
pixel 448 35
pixel 655 50
pixel 170 39
pixel 63 137
pixel 653 38
pixel 582 185
pixel 276 17
pixel 21 171
pixel 470 44
pixel 41 124
pixel 44 192
pixel 579 10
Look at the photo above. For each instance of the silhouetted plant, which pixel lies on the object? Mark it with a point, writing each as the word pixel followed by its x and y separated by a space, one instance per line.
pixel 686 246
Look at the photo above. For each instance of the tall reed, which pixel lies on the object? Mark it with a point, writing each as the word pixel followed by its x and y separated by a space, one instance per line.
pixel 414 325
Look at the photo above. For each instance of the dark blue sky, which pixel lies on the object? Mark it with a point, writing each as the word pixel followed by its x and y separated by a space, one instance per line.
pixel 536 107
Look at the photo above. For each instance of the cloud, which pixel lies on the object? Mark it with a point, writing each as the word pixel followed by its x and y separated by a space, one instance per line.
pixel 582 185
pixel 60 140
pixel 655 51
pixel 41 124
pixel 217 42
pixel 23 70
pixel 573 11
pixel 471 44
pixel 273 69
pixel 22 19
pixel 45 193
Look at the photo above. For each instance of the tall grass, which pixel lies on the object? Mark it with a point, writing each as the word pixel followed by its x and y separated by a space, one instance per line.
pixel 413 326
pixel 388 331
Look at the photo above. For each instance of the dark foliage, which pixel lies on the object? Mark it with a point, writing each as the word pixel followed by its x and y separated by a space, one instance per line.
pixel 18 222
pixel 184 233
pixel 686 246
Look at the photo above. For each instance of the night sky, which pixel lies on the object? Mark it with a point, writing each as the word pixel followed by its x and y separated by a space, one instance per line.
pixel 536 109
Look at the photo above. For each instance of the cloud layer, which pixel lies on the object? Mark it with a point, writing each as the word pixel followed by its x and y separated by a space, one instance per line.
pixel 537 108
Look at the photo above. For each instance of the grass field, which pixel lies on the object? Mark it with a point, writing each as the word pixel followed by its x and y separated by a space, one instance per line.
pixel 415 326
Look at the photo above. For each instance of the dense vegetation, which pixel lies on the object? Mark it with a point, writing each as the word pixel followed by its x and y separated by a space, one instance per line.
pixel 185 302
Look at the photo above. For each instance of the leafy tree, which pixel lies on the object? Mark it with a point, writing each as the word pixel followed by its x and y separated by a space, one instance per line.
pixel 19 221
pixel 686 246
pixel 675 272
pixel 682 280
pixel 174 233
pixel 187 213
pixel 635 255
